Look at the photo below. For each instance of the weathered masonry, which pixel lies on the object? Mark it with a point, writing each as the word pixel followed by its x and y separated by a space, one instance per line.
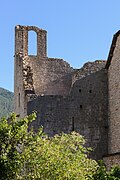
pixel 85 100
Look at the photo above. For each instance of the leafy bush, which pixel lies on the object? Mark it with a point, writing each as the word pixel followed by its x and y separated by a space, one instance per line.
pixel 26 155
pixel 103 174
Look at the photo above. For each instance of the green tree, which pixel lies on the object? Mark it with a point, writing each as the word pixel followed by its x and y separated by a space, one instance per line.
pixel 114 173
pixel 13 139
pixel 103 174
pixel 32 156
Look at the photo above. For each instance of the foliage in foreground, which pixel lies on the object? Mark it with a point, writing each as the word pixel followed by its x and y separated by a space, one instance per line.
pixel 103 174
pixel 25 155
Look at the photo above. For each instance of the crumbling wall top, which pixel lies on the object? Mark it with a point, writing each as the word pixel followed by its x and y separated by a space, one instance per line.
pixel 29 28
pixel 22 36
pixel 87 69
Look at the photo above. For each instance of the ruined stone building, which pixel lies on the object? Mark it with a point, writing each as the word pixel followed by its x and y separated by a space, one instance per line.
pixel 85 100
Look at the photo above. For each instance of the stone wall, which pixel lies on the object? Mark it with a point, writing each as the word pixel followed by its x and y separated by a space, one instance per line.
pixel 37 74
pixel 65 99
pixel 112 160
pixel 19 92
pixel 53 113
pixel 114 100
pixel 84 110
pixel 21 40
pixel 90 110
pixel 51 76
pixel 87 69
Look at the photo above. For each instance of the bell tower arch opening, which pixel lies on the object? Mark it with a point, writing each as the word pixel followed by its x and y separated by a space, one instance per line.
pixel 32 43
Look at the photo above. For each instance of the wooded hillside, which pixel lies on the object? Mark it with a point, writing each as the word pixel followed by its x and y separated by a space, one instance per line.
pixel 6 102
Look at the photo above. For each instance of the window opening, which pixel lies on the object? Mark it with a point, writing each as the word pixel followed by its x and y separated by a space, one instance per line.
pixel 19 99
pixel 79 90
pixel 73 124
pixel 80 106
pixel 32 43
pixel 90 91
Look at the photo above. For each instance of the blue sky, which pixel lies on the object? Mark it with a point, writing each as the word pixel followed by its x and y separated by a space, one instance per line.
pixel 78 30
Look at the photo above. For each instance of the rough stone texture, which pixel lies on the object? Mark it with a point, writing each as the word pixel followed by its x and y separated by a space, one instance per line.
pixel 51 76
pixel 87 69
pixel 19 91
pixel 83 110
pixel 23 71
pixel 68 99
pixel 114 100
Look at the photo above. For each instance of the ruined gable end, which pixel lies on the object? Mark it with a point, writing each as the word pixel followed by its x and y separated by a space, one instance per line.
pixel 85 100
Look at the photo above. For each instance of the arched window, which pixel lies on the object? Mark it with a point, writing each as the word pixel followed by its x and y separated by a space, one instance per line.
pixel 32 43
